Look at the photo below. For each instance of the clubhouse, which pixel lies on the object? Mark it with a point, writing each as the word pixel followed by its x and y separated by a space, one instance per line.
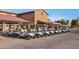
pixel 31 19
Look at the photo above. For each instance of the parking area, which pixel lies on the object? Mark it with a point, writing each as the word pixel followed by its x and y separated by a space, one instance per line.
pixel 69 40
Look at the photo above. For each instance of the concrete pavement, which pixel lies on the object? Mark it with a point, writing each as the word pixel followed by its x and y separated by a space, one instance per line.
pixel 68 40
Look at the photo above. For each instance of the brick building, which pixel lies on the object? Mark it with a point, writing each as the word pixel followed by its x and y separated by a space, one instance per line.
pixel 31 19
pixel 38 17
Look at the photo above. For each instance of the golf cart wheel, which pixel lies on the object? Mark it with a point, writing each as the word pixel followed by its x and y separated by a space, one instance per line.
pixel 34 37
pixel 42 36
pixel 28 37
pixel 37 36
pixel 56 33
pixel 49 34
pixel 15 35
pixel 45 35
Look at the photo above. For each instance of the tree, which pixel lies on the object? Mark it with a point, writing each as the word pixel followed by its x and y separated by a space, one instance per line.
pixel 62 21
pixel 58 21
pixel 67 21
pixel 77 22
pixel 73 22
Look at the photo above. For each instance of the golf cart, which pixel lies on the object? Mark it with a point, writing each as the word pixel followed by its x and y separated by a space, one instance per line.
pixel 51 31
pixel 28 34
pixel 46 32
pixel 39 33
pixel 56 30
pixel 67 30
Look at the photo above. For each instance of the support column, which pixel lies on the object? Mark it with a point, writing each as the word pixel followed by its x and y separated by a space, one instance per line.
pixel 29 26
pixel 3 26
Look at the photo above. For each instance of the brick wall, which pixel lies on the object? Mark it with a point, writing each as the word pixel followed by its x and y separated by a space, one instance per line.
pixel 41 15
pixel 33 17
pixel 29 17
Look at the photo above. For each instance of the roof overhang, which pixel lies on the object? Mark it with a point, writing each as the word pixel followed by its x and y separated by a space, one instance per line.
pixel 42 22
pixel 11 18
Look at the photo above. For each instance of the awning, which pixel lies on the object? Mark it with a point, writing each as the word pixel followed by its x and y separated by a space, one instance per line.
pixel 43 22
pixel 57 24
pixel 64 25
pixel 11 18
pixel 50 23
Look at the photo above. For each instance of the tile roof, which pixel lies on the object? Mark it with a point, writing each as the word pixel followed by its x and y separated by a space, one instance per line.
pixel 7 12
pixel 11 18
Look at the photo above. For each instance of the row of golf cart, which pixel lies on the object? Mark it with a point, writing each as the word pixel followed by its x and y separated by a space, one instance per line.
pixel 32 33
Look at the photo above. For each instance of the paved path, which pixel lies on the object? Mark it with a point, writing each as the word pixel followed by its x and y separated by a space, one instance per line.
pixel 61 41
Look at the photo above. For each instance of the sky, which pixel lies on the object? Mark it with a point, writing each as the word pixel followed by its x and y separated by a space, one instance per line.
pixel 54 14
